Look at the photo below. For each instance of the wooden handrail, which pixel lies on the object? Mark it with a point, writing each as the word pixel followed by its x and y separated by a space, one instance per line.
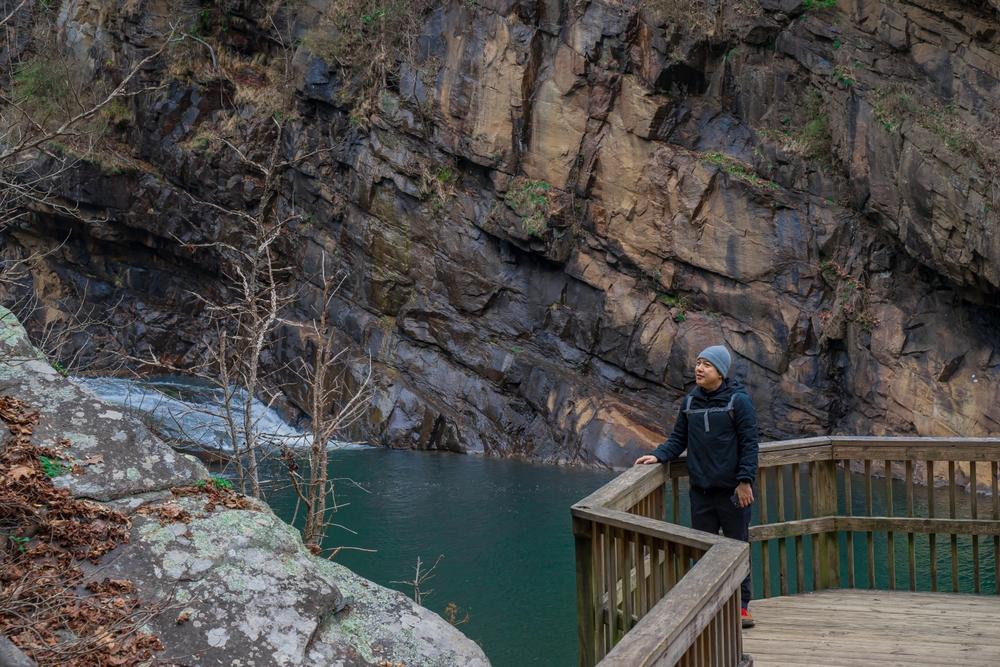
pixel 642 602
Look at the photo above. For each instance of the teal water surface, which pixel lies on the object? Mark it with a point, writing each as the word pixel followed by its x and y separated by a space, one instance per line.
pixel 503 527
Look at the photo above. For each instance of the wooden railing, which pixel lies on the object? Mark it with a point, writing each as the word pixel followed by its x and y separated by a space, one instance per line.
pixel 652 592
pixel 675 591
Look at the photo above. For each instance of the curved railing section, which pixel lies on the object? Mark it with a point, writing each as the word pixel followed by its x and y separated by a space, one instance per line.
pixel 652 592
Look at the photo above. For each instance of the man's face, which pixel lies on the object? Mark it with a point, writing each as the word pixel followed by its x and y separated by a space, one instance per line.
pixel 706 375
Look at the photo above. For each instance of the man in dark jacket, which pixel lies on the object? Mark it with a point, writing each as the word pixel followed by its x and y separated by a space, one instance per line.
pixel 717 425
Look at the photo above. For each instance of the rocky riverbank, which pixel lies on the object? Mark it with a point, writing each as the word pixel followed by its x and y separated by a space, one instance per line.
pixel 218 578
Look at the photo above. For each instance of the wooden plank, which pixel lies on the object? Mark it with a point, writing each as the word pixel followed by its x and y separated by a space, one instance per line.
pixel 773 531
pixel 826 505
pixel 673 625
pixel 798 455
pixel 932 540
pixel 625 574
pixel 765 561
pixel 583 539
pixel 994 483
pixel 611 569
pixel 911 553
pixel 868 513
pixel 813 542
pixel 919 525
pixel 887 467
pixel 915 452
pixel 800 574
pixel 849 511
pixel 642 584
pixel 628 488
pixel 974 510
pixel 667 531
pixel 779 484
pixel 801 443
pixel 877 524
pixel 600 592
pixel 954 538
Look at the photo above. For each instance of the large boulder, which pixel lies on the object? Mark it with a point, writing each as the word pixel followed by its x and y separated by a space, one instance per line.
pixel 231 583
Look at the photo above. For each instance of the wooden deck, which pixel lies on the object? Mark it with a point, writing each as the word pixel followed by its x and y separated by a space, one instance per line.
pixel 853 628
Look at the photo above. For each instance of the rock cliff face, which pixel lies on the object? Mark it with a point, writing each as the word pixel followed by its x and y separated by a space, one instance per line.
pixel 553 206
pixel 234 584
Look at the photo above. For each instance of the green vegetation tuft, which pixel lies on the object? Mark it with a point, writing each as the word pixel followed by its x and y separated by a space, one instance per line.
pixel 738 168
pixel 53 467
pixel 530 200
pixel 219 483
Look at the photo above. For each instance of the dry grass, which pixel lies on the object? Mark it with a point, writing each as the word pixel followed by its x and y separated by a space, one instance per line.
pixel 366 40
pixel 688 17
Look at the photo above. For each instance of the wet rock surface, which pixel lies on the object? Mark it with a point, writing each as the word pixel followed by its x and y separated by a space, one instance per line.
pixel 235 585
pixel 551 212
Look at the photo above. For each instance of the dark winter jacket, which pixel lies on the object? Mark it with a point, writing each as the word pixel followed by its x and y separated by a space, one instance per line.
pixel 721 444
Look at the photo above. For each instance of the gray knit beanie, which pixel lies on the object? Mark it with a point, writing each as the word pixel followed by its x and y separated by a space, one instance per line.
pixel 718 356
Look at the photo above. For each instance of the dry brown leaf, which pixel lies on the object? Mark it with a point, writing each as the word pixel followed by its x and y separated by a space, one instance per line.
pixel 93 460
pixel 19 472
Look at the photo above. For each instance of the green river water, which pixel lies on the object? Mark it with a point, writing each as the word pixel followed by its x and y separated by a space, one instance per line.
pixel 503 527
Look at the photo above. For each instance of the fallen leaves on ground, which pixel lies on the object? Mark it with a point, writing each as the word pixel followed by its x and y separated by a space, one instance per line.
pixel 43 608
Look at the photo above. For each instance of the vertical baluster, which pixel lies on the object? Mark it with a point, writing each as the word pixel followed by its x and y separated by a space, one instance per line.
pixel 932 538
pixel 800 575
pixel 675 497
pixel 849 511
pixel 765 568
pixel 954 537
pixel 657 570
pixel 996 516
pixel 625 572
pixel 609 589
pixel 727 634
pixel 641 585
pixel 814 538
pixel 671 567
pixel 868 513
pixel 974 498
pixel 888 512
pixel 715 641
pixel 738 624
pixel 612 569
pixel 910 546
pixel 779 484
pixel 599 579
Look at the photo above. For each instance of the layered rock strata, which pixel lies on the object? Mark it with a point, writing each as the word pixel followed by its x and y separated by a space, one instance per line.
pixel 553 206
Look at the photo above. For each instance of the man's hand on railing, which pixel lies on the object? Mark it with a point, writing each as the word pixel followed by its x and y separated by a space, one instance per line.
pixel 744 493
pixel 646 460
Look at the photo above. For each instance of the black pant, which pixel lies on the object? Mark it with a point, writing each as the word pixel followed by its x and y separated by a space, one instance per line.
pixel 712 509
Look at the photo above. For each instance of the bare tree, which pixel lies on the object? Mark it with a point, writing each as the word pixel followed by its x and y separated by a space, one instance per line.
pixel 420 578
pixel 334 406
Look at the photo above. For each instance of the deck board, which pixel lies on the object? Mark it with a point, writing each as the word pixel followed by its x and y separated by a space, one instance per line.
pixel 852 628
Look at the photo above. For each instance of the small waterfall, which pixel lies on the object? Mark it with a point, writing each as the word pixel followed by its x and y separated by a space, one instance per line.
pixel 190 414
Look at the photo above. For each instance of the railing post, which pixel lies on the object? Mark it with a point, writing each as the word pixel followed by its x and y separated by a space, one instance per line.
pixel 586 612
pixel 826 505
